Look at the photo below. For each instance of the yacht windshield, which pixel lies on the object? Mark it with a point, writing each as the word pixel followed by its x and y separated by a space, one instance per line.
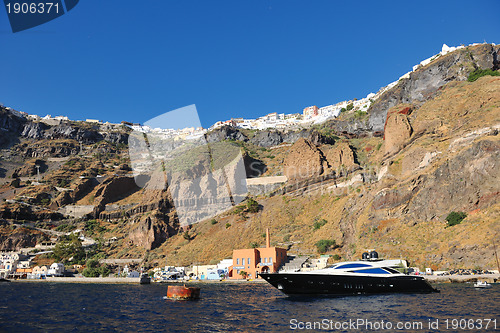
pixel 353 265
pixel 371 271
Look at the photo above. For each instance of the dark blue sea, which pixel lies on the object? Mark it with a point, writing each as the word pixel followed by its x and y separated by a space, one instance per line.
pixel 224 307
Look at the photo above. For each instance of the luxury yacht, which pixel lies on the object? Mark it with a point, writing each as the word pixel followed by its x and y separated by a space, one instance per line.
pixel 368 276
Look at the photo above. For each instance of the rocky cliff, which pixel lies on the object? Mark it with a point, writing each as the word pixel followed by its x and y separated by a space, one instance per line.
pixel 422 84
pixel 269 137
pixel 386 180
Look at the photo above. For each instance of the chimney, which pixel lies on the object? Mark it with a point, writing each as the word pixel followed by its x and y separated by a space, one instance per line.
pixel 268 240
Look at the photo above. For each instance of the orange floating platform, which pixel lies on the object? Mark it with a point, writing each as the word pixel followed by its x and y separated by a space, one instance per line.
pixel 183 292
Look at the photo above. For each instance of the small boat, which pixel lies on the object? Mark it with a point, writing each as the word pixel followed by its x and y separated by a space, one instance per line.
pixel 482 284
pixel 182 293
pixel 368 276
pixel 144 279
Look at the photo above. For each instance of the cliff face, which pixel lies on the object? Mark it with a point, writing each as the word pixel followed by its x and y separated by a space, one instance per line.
pixel 424 82
pixel 436 158
pixel 10 127
pixel 85 135
pixel 11 240
pixel 421 85
pixel 268 138
pixel 427 147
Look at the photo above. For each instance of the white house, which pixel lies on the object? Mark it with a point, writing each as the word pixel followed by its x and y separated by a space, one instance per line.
pixel 8 263
pixel 33 117
pixel 56 269
pixel 225 263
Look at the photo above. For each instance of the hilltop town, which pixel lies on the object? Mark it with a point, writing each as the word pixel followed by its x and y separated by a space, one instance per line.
pixel 309 116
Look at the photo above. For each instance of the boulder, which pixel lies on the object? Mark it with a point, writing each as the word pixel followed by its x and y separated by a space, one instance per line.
pixel 304 160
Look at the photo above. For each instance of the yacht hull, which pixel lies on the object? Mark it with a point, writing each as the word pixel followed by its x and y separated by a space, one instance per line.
pixel 330 284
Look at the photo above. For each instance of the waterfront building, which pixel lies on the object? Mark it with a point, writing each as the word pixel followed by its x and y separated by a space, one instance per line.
pixel 9 262
pixel 215 274
pixel 200 271
pixel 169 273
pixel 38 272
pixel 56 269
pixel 258 260
pixel 133 274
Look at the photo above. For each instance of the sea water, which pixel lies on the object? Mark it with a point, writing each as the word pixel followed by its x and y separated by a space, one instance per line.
pixel 237 307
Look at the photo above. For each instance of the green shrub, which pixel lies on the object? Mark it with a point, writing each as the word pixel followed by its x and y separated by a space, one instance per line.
pixel 254 245
pixel 66 227
pixel 319 224
pixel 69 247
pixel 336 257
pixel 324 245
pixel 474 75
pixel 228 225
pixel 92 226
pixel 16 183
pixel 104 271
pixel 94 269
pixel 213 221
pixel 358 114
pixel 71 163
pixel 350 107
pixel 239 209
pixel 455 218
pixel 91 272
pixel 252 205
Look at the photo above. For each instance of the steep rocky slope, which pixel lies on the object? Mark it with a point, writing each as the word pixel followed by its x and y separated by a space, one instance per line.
pixel 386 179
pixel 449 164
pixel 422 84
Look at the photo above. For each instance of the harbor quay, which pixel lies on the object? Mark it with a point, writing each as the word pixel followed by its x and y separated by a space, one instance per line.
pixel 490 278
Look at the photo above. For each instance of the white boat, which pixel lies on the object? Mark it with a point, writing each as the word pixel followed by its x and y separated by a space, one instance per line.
pixel 368 276
pixel 482 284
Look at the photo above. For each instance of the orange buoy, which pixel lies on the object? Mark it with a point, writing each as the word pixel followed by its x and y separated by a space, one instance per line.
pixel 183 292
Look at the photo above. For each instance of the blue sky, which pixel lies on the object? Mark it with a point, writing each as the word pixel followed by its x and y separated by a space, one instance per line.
pixel 134 60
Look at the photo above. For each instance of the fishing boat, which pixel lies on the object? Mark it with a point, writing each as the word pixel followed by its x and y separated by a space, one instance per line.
pixel 144 279
pixel 368 276
pixel 482 284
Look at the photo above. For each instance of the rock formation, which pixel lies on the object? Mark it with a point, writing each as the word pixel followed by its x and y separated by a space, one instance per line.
pixel 340 156
pixel 152 230
pixel 397 132
pixel 304 160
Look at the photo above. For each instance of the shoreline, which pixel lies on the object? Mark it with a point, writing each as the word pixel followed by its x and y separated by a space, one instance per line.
pixel 125 280
pixel 490 278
